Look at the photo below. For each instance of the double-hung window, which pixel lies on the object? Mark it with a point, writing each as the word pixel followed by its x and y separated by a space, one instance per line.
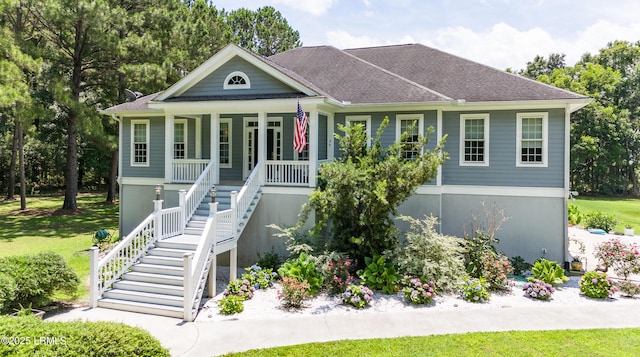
pixel 180 139
pixel 364 120
pixel 531 141
pixel 474 140
pixel 140 143
pixel 404 122
pixel 225 143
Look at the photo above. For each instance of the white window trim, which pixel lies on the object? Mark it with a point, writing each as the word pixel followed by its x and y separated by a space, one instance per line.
pixel 545 139
pixel 132 144
pixel 463 118
pixel 186 138
pixel 226 84
pixel 418 117
pixel 230 164
pixel 366 118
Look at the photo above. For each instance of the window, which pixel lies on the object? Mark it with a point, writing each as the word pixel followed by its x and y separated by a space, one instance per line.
pixel 474 140
pixel 225 143
pixel 403 123
pixel 304 155
pixel 365 120
pixel 180 139
pixel 237 80
pixel 139 143
pixel 532 139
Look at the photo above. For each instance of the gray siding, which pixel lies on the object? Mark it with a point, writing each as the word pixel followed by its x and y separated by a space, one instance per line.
pixel 322 137
pixel 261 82
pixel 206 136
pixel 237 127
pixel 156 149
pixel 502 170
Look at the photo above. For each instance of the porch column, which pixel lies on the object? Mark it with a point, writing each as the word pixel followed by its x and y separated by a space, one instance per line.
pixel 262 144
pixel 169 120
pixel 313 147
pixel 214 152
pixel 198 120
pixel 330 149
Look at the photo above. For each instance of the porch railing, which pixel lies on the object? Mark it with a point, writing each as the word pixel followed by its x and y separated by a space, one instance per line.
pixel 187 170
pixel 248 192
pixel 290 173
pixel 197 191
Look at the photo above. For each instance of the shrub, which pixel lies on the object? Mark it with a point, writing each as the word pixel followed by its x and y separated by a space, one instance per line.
pixel 303 268
pixel 76 339
pixel 336 275
pixel 293 292
pixel 358 296
pixel 601 220
pixel 628 288
pixel 419 292
pixel 380 275
pixel 624 258
pixel 231 304
pixel 37 277
pixel 474 290
pixel 519 265
pixel 595 284
pixel 241 288
pixel 538 289
pixel 495 270
pixel 548 271
pixel 7 290
pixel 259 278
pixel 430 255
pixel 270 260
pixel 480 236
pixel 574 215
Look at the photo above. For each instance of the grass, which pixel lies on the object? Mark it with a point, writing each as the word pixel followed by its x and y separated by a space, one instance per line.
pixel 625 210
pixel 597 342
pixel 42 227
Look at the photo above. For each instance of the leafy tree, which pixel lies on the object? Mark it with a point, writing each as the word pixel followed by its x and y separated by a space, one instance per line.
pixel 541 66
pixel 360 192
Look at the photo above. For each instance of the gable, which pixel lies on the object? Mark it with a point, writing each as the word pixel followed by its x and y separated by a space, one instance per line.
pixel 261 83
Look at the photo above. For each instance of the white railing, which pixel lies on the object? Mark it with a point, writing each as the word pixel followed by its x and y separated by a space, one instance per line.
pixel 247 193
pixel 194 264
pixel 172 224
pixel 197 192
pixel 225 225
pixel 187 170
pixel 291 173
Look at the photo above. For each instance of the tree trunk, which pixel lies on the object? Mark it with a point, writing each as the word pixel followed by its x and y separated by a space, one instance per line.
pixel 12 167
pixel 23 184
pixel 71 169
pixel 113 175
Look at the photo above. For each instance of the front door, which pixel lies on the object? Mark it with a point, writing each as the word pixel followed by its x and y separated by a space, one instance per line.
pixel 252 144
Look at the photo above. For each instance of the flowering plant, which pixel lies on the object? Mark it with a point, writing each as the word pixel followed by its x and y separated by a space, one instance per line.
pixel 628 288
pixel 293 293
pixel 259 278
pixel 474 290
pixel 417 291
pixel 337 276
pixel 240 287
pixel 595 284
pixel 357 295
pixel 495 270
pixel 538 289
pixel 624 258
pixel 231 304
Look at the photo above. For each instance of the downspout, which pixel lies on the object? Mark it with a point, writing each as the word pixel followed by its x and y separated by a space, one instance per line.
pixel 119 179
pixel 567 157
pixel 439 174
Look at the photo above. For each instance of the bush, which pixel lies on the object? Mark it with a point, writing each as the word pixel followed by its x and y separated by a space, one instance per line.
pixel 76 338
pixel 519 265
pixel 474 290
pixel 595 284
pixel 36 278
pixel 600 220
pixel 628 288
pixel 431 256
pixel 293 293
pixel 241 288
pixel 270 260
pixel 419 292
pixel 624 258
pixel 380 275
pixel 303 268
pixel 548 271
pixel 495 270
pixel 538 289
pixel 7 291
pixel 336 275
pixel 574 215
pixel 259 278
pixel 358 296
pixel 231 304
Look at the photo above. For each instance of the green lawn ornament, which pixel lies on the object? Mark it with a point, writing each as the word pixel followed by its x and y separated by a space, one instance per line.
pixel 101 236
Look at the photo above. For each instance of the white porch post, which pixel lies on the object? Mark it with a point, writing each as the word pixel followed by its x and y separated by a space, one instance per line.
pixel 313 147
pixel 169 120
pixel 330 149
pixel 198 120
pixel 215 144
pixel 262 141
pixel 93 276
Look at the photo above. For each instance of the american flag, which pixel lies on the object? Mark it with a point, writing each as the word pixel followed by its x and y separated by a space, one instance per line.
pixel 300 134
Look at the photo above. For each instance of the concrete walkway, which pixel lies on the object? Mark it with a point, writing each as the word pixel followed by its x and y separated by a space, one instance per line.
pixel 215 338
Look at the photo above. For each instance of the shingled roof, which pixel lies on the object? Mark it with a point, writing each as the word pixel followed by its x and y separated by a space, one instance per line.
pixel 410 73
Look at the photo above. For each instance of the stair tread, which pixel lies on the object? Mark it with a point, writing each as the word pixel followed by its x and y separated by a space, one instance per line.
pixel 152 275
pixel 144 294
pixel 150 285
pixel 141 304
pixel 149 265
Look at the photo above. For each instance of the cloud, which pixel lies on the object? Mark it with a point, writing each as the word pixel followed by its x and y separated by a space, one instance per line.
pixel 343 39
pixel 313 7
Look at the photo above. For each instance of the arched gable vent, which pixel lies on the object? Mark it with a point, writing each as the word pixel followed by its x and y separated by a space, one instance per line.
pixel 237 80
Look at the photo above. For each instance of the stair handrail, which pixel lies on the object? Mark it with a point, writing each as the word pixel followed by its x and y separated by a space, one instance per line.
pixel 194 263
pixel 249 191
pixel 198 191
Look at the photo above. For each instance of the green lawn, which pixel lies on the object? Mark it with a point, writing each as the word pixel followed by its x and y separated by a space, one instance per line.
pixel 605 342
pixel 626 210
pixel 43 228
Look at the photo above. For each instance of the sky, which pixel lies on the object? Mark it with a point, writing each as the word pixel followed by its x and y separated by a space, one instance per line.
pixel 499 33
